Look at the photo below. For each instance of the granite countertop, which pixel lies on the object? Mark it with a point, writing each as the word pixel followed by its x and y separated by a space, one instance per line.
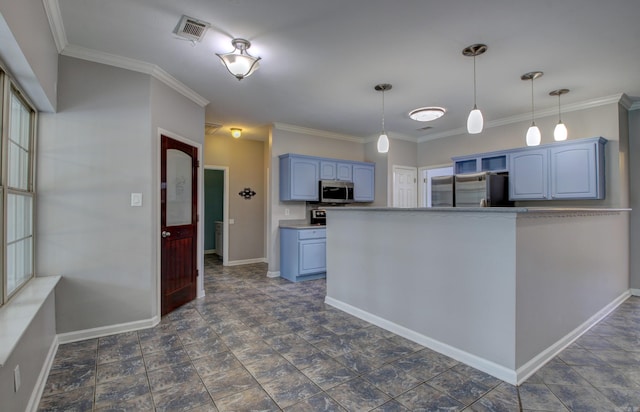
pixel 299 224
pixel 482 209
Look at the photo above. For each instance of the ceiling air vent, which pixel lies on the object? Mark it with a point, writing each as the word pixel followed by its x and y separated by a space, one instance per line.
pixel 424 129
pixel 192 29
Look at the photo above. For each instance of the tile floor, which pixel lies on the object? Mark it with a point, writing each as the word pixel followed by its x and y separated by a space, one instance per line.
pixel 255 343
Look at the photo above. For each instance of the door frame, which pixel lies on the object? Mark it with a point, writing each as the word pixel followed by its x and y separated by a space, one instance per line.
pixel 225 211
pixel 157 210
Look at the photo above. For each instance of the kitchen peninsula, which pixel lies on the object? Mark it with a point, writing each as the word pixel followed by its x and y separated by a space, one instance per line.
pixel 500 289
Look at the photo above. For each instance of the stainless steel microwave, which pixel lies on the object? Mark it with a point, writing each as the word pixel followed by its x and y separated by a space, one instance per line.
pixel 336 191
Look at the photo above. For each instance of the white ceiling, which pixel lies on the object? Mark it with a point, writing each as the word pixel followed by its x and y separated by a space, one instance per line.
pixel 322 58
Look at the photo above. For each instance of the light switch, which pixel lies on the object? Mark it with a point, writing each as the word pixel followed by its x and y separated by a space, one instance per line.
pixel 136 199
pixel 232 221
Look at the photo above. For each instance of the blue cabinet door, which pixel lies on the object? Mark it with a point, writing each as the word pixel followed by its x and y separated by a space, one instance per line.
pixel 299 176
pixel 575 173
pixel 344 171
pixel 528 174
pixel 328 170
pixel 364 182
pixel 312 256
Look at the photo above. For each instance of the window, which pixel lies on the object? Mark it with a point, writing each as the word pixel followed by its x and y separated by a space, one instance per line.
pixel 16 188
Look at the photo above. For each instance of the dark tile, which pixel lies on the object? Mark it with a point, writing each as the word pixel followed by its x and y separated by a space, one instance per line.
pixel 121 390
pixel 425 364
pixel 160 343
pixel 580 357
pixel 504 398
pixel 208 347
pixel 253 399
pixel 391 406
pixel 197 335
pixel 327 373
pixel 69 380
pixel 216 363
pixel 476 375
pixel 425 397
pixel 558 373
pixel 459 387
pixel 74 400
pixel 229 382
pixel 117 370
pixel 140 403
pixel 628 399
pixel 117 351
pixel 539 397
pixel 317 403
pixel 182 397
pixel 606 377
pixel 358 394
pixel 291 389
pixel 360 362
pixel 163 378
pixel 392 380
pixel 157 360
pixel 269 368
pixel 582 398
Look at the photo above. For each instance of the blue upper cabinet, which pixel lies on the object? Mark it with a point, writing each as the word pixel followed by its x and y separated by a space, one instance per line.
pixel 577 171
pixel 528 175
pixel 364 182
pixel 299 176
pixel 336 170
pixel 485 162
pixel 573 169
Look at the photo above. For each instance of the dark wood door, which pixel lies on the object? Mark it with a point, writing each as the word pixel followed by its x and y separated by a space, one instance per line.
pixel 179 195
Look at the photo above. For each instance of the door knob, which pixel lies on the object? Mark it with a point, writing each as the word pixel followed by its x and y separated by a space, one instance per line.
pixel 165 233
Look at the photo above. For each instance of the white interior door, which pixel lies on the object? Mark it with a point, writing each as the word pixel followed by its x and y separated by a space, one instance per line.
pixel 425 182
pixel 405 186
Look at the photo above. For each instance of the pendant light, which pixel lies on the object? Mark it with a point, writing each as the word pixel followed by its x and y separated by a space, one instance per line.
pixel 383 140
pixel 239 62
pixel 560 132
pixel 475 122
pixel 533 134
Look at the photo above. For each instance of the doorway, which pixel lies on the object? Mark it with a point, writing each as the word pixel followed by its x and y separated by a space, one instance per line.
pixel 405 186
pixel 216 209
pixel 178 223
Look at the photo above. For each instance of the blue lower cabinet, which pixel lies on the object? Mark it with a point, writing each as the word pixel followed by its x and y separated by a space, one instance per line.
pixel 303 253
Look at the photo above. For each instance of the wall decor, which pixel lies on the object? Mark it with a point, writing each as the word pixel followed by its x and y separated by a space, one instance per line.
pixel 247 193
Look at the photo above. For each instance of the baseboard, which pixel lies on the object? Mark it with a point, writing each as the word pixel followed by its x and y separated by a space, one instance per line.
pixel 85 334
pixel 635 292
pixel 273 274
pixel 246 261
pixel 477 362
pixel 529 368
pixel 210 251
pixel 36 394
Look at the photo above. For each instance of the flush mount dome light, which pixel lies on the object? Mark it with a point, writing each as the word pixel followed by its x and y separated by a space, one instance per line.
pixel 427 114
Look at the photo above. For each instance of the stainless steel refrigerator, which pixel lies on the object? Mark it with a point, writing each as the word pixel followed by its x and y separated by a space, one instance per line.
pixel 484 189
pixel 442 194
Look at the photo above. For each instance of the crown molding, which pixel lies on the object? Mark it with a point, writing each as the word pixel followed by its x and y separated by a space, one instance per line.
pixel 587 104
pixel 392 136
pixel 136 66
pixel 314 132
pixel 52 9
pixel 629 103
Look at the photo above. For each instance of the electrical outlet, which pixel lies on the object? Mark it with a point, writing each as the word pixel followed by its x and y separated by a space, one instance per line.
pixel 16 378
pixel 136 199
pixel 232 221
pixel 286 212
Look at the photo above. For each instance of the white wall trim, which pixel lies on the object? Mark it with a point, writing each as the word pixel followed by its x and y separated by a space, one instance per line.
pixel 139 66
pixel 501 372
pixel 101 331
pixel 273 274
pixel 246 261
pixel 529 368
pixel 477 362
pixel 588 104
pixel 52 9
pixel 38 389
pixel 314 132
pixel 634 292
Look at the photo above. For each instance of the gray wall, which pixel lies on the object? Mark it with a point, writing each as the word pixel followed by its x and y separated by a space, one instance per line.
pixel 100 147
pixel 634 198
pixel 28 49
pixel 30 354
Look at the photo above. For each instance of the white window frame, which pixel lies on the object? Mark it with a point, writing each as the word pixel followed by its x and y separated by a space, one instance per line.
pixel 7 87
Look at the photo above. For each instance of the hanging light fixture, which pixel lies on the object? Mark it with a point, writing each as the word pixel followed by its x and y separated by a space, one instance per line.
pixel 236 132
pixel 475 122
pixel 239 62
pixel 560 132
pixel 533 133
pixel 383 140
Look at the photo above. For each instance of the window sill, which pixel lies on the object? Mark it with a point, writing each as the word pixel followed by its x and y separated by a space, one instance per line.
pixel 17 315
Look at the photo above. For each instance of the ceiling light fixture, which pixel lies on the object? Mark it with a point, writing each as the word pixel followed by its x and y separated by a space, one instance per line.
pixel 383 140
pixel 475 122
pixel 427 114
pixel 533 133
pixel 560 132
pixel 239 62
pixel 236 132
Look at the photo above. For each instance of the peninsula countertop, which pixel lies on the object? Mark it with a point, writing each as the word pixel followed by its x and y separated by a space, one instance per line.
pixel 481 209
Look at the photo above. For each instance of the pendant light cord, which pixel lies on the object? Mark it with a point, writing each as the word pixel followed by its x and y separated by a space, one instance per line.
pixel 474 83
pixel 532 116
pixel 383 131
pixel 559 114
